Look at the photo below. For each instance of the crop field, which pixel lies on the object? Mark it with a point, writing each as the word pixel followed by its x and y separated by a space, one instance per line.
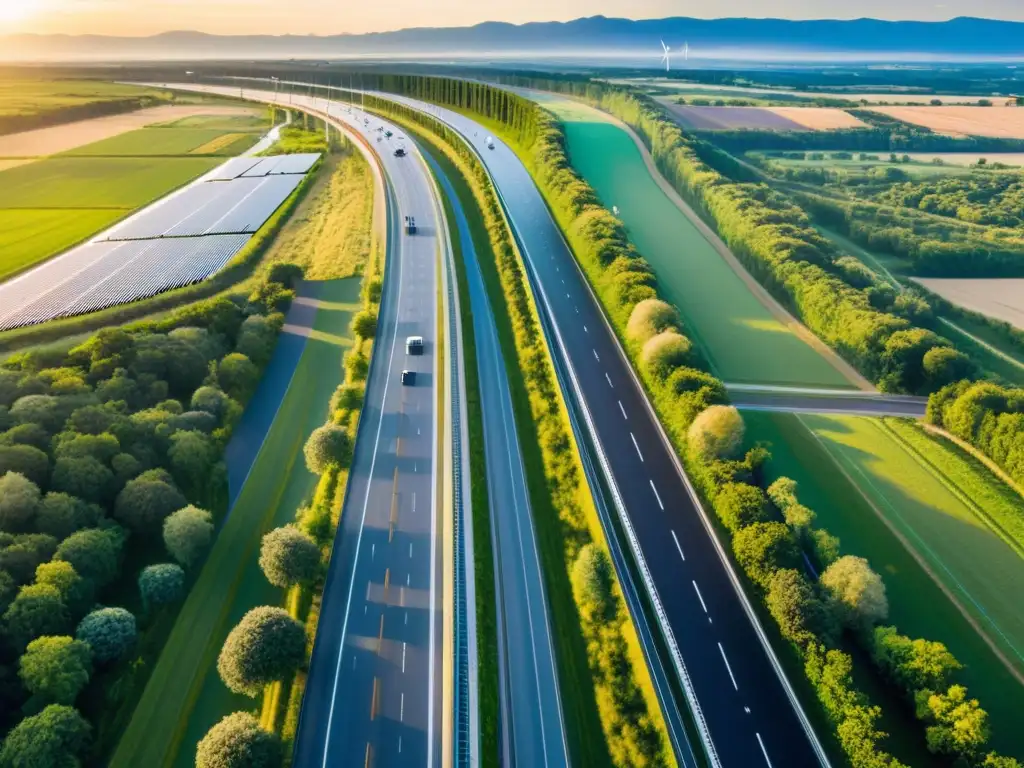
pixel 738 91
pixel 21 97
pixel 147 142
pixel 1001 298
pixel 741 338
pixel 762 118
pixel 894 507
pixel 1000 122
pixel 185 695
pixel 818 118
pixel 920 165
pixel 29 236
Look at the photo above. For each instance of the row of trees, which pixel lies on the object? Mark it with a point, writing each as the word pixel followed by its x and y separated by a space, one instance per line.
pixel 16 122
pixel 271 645
pixel 102 449
pixel 989 199
pixel 986 415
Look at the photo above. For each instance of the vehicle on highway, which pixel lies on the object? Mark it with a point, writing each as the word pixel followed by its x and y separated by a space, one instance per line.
pixel 410 225
pixel 389 134
pixel 414 345
pixel 490 143
pixel 408 378
pixel 400 152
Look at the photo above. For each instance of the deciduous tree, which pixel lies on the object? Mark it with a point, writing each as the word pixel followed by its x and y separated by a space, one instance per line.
pixel 266 645
pixel 288 556
pixel 238 741
pixel 55 669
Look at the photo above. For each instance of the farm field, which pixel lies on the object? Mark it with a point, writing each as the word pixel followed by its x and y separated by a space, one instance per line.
pixel 934 524
pixel 148 142
pixel 762 118
pixel 743 91
pixel 64 138
pixel 1002 299
pixel 921 165
pixel 22 96
pixel 741 338
pixel 185 695
pixel 29 236
pixel 1000 122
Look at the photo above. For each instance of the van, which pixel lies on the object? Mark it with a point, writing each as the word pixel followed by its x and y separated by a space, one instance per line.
pixel 414 345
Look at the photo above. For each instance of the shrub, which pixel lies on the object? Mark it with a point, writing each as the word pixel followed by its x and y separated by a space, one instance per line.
pixel 144 504
pixel 94 554
pixel 364 324
pixel 19 500
pixel 238 741
pixel 717 433
pixel 285 273
pixel 288 556
pixel 55 669
pixel 959 725
pixel 36 611
pixel 191 455
pixel 45 410
pixel 348 397
pixel 110 633
pixel 53 738
pixel 857 591
pixel 187 534
pixel 592 579
pixel 266 645
pixel 27 434
pixel 329 444
pixel 762 549
pixel 211 400
pixel 801 615
pixel 665 352
pixel 649 318
pixel 161 584
pixel 739 505
pixel 913 665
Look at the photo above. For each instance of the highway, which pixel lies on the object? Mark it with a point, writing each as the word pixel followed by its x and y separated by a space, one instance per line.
pixel 532 729
pixel 374 692
pixel 746 711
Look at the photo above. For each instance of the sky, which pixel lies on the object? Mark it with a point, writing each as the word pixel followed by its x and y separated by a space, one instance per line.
pixel 146 17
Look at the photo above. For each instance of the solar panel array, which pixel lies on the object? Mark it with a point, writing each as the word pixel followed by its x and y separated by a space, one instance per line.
pixel 183 239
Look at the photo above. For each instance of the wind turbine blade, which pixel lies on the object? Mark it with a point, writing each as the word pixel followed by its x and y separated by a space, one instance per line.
pixel 664 47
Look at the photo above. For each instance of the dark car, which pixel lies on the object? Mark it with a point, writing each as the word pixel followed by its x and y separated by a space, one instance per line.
pixel 408 378
pixel 400 152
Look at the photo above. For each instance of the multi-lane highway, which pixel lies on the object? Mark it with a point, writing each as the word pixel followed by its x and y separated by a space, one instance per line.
pixel 532 729
pixel 745 709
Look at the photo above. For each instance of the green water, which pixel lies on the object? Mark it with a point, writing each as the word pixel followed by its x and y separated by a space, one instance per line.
pixel 741 339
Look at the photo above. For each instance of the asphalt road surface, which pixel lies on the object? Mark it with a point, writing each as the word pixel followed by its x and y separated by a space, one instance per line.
pixel 750 715
pixel 532 730
pixel 853 402
pixel 373 696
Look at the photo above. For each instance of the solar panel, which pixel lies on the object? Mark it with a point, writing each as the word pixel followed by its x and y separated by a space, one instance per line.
pixel 233 168
pixel 296 163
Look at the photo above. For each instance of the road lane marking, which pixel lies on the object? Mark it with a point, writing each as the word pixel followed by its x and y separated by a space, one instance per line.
pixel 699 596
pixel 373 551
pixel 596 355
pixel 408 576
pixel 403 657
pixel 676 540
pixel 410 550
pixel 585 329
pixel 577 308
pixel 727 667
pixel 623 411
pixel 401 710
pixel 763 750
pixel 569 297
pixel 609 381
pixel 656 495
pixel 413 502
pixel 633 437
pixel 399 745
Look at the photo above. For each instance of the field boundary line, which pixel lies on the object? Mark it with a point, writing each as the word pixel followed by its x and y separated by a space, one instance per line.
pixel 916 555
pixel 769 302
pixel 975 508
pixel 970 449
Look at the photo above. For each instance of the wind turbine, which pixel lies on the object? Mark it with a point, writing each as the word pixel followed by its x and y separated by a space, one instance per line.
pixel 686 51
pixel 666 55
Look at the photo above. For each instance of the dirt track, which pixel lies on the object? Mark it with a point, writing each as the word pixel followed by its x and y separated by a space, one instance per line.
pixel 62 138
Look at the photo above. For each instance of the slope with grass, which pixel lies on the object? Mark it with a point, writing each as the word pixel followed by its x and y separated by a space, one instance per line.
pixel 930 541
pixel 185 696
pixel 742 339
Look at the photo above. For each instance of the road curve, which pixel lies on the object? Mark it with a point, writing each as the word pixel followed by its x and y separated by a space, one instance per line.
pixel 374 691
pixel 749 712
pixel 532 729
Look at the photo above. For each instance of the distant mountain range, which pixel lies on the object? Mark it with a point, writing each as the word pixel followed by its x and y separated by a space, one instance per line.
pixel 864 39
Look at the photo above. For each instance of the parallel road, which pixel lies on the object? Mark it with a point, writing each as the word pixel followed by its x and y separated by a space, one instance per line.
pixel 532 730
pixel 747 713
pixel 374 692
pixel 752 397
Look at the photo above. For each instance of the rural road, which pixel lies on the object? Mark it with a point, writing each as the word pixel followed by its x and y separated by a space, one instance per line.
pixel 749 714
pixel 751 397
pixel 532 729
pixel 374 692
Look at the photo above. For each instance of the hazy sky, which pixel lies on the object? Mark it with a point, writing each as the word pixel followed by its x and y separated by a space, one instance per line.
pixel 143 17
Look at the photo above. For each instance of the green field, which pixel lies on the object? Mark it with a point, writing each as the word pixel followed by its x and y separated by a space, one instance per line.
pixel 920 164
pixel 184 696
pixel 29 236
pixel 254 122
pixel 742 340
pixel 29 97
pixel 146 142
pixel 939 525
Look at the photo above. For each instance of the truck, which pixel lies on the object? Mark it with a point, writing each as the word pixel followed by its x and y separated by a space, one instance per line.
pixel 410 225
pixel 414 345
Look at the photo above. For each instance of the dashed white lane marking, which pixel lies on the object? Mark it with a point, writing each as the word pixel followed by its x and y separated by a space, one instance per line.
pixel 727 667
pixel 763 750
pixel 373 551
pixel 609 380
pixel 595 355
pixel 354 662
pixel 656 495
pixel 676 540
pixel 585 329
pixel 408 578
pixel 569 297
pixel 413 503
pixel 635 445
pixel 623 411
pixel 401 710
pixel 699 596
pixel 406 617
pixel 399 745
pixel 410 550
pixel 403 657
pixel 577 308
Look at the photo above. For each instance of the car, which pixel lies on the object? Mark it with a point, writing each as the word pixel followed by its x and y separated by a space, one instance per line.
pixel 408 378
pixel 389 134
pixel 414 345
pixel 400 152
pixel 490 143
pixel 410 225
